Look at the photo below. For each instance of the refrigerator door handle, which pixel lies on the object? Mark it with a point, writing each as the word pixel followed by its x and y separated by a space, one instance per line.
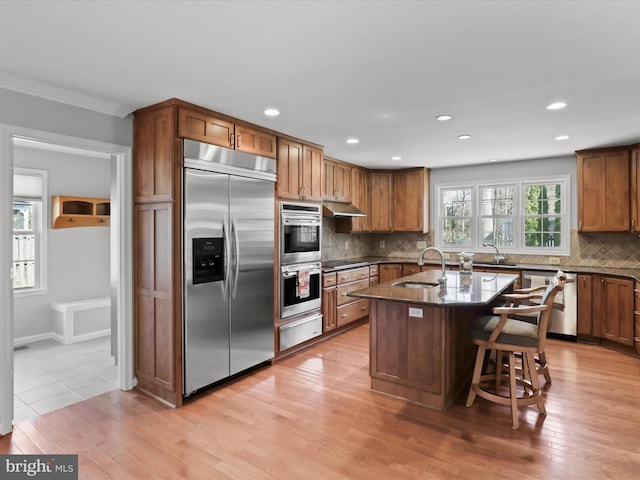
pixel 227 256
pixel 236 257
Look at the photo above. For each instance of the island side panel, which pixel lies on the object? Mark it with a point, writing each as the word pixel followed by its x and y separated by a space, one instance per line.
pixel 406 354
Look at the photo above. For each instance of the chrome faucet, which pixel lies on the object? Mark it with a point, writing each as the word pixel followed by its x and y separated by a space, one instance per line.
pixel 499 258
pixel 442 280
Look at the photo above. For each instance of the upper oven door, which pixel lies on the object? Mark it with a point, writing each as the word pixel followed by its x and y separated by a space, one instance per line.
pixel 299 238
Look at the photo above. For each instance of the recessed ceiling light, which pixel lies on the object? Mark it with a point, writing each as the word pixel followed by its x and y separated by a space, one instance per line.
pixel 464 136
pixel 562 137
pixel 443 118
pixel 396 158
pixel 352 140
pixel 493 160
pixel 556 106
pixel 271 112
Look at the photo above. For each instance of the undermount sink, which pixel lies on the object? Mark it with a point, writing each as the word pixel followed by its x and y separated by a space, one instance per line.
pixel 415 284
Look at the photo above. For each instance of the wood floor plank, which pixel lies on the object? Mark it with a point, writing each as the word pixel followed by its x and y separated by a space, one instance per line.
pixel 312 416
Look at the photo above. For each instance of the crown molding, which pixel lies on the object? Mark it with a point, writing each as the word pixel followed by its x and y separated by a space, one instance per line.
pixel 61 95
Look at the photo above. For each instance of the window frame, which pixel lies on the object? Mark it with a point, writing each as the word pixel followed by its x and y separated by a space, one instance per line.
pixel 40 260
pixel 519 185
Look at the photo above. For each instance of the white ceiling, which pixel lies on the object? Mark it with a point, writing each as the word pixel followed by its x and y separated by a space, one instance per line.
pixel 380 71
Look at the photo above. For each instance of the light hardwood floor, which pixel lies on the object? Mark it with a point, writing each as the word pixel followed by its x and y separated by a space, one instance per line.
pixel 312 416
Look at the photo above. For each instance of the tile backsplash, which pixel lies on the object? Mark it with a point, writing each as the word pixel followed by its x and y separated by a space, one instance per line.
pixel 613 250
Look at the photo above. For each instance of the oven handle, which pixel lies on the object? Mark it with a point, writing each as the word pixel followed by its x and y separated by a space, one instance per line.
pixel 302 221
pixel 293 273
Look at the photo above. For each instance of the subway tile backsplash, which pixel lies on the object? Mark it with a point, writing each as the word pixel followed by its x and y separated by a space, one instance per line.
pixel 613 250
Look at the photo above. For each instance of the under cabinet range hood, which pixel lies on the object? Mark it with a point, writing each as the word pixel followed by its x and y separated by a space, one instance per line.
pixel 336 209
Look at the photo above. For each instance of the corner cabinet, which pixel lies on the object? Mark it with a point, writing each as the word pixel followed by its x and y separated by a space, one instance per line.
pixel 300 171
pixel 411 200
pixel 604 190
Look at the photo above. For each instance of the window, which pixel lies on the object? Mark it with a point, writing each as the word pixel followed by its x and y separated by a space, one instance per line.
pixel 29 234
pixel 524 217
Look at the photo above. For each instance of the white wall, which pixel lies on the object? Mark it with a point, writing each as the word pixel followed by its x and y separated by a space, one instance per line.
pixel 78 258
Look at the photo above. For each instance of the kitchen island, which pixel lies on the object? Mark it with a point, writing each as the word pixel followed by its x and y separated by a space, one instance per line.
pixel 420 348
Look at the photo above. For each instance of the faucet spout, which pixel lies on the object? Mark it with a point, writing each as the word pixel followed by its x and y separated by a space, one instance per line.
pixel 443 279
pixel 499 258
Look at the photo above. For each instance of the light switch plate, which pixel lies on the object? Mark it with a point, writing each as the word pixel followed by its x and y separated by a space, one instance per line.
pixel 421 244
pixel 415 312
pixel 381 243
pixel 554 261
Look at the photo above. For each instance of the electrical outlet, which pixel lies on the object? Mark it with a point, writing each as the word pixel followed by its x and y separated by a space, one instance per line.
pixel 381 243
pixel 346 245
pixel 554 261
pixel 421 244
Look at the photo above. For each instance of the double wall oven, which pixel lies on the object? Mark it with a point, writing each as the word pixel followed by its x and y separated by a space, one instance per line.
pixel 300 283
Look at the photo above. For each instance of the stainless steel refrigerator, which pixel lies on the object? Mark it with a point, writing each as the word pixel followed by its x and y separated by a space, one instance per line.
pixel 228 281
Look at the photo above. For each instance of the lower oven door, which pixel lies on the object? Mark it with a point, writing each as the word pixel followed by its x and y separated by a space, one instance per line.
pixel 300 288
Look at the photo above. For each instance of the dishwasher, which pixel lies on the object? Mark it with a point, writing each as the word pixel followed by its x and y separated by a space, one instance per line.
pixel 564 314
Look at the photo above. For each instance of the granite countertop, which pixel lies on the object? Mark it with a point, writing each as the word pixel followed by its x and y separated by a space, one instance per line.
pixel 336 265
pixel 478 288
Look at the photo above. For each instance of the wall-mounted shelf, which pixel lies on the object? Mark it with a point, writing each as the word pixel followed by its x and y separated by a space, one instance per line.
pixel 69 212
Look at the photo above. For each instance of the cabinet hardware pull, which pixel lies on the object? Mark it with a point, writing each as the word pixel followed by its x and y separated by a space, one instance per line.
pixel 363 308
pixel 239 137
pixel 580 225
pixel 232 139
pixel 343 315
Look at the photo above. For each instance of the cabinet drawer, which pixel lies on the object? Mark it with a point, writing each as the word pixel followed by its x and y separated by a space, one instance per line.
pixel 410 269
pixel 350 287
pixel 353 274
pixel 352 311
pixel 373 270
pixel 329 280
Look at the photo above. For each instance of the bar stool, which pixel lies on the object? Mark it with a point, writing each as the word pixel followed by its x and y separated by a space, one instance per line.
pixel 503 333
pixel 533 296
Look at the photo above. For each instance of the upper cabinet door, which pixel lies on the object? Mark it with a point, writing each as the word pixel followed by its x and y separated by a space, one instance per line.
pixel 311 173
pixel 604 191
pixel 205 128
pixel 411 200
pixel 254 141
pixel 289 161
pixel 381 202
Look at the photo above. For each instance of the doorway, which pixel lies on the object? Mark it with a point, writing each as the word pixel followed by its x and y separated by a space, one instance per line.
pixel 120 250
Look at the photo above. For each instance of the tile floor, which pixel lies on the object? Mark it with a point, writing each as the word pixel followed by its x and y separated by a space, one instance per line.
pixel 49 375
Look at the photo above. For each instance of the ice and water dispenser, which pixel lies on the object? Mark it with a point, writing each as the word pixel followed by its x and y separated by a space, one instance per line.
pixel 208 260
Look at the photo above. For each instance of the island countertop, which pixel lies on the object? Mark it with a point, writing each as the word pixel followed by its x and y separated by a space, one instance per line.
pixel 477 288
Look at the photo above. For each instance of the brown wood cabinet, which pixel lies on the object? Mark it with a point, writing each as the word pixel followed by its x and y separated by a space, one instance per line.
pixel 584 289
pixel 411 200
pixel 635 189
pixel 157 259
pixel 636 316
pixel 615 308
pixel 337 181
pixel 195 124
pixel 329 302
pixel 300 171
pixel 338 308
pixel 606 308
pixel 389 272
pixel 361 198
pixel 604 190
pixel 381 201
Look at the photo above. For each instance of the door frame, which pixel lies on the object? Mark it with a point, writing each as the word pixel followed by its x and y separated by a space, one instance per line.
pixel 121 254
